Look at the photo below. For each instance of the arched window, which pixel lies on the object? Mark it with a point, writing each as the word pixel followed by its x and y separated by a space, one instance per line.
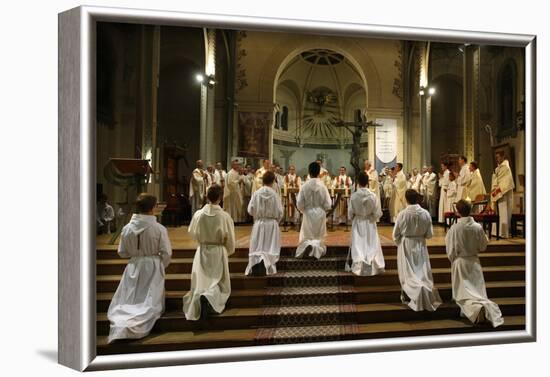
pixel 278 120
pixel 284 119
pixel 506 97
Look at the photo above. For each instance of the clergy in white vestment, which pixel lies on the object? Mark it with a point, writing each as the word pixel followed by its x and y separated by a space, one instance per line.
pixel 476 187
pixel 279 177
pixel 399 188
pixel 387 186
pixel 265 240
pixel 248 181
pixel 464 241
pixel 416 180
pixel 219 175
pixel 342 181
pixel 260 173
pixel 412 228
pixel 452 196
pixel 139 299
pixel 463 179
pixel 232 193
pixel 364 211
pixel 210 177
pixel 502 193
pixel 197 187
pixel 443 186
pixel 313 201
pixel 291 181
pixel 374 185
pixel 212 228
pixel 429 182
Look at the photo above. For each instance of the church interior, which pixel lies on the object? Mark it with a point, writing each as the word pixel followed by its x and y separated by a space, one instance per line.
pixel 170 96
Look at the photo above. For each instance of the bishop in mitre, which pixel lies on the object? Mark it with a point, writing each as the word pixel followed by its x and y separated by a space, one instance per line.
pixel 364 211
pixel 464 241
pixel 197 187
pixel 502 193
pixel 313 201
pixel 413 227
pixel 265 240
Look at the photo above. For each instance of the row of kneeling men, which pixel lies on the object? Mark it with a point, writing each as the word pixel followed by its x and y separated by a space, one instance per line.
pixel 139 299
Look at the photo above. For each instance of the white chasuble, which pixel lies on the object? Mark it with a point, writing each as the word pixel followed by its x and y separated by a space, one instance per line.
pixel 197 189
pixel 412 227
pixel 341 211
pixel 232 196
pixel 443 186
pixel 374 185
pixel 462 182
pixel 502 179
pixel 366 250
pixel 398 202
pixel 464 241
pixel 214 231
pixel 476 186
pixel 139 299
pixel 313 201
pixel 265 239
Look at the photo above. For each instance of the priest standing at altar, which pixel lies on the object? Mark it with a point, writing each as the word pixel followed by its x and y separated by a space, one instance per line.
pixel 266 166
pixel 343 182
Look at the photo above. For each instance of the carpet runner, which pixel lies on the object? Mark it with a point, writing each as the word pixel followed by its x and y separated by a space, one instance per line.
pixel 308 300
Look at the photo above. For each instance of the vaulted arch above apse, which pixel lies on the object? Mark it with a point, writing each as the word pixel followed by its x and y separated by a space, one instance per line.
pixel 319 87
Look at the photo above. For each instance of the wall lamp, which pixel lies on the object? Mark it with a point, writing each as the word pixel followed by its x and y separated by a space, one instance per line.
pixel 208 80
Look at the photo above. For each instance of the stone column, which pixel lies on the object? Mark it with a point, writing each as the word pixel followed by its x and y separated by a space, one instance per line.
pixel 207 96
pixel 471 65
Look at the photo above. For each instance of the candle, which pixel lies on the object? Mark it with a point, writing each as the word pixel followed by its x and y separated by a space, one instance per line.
pixel 332 191
pixel 284 189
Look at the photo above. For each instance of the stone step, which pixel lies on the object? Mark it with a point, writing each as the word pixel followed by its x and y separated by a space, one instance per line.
pixel 185 340
pixel 107 283
pixel 184 265
pixel 284 316
pixel 109 252
pixel 315 295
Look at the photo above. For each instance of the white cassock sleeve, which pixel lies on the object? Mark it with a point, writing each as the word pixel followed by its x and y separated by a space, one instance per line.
pixel 123 248
pixel 252 205
pixel 280 211
pixel 300 201
pixel 230 236
pixel 396 235
pixel 165 249
pixel 430 232
pixel 328 201
pixel 450 244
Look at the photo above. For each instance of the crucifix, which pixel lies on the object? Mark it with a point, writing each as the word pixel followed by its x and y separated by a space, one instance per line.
pixel 357 129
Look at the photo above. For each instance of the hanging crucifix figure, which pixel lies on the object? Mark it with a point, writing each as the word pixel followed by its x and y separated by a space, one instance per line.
pixel 357 129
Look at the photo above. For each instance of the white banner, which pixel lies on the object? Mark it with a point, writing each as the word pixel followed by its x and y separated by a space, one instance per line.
pixel 386 143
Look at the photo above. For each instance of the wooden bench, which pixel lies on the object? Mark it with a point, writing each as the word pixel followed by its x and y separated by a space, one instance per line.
pixel 517 218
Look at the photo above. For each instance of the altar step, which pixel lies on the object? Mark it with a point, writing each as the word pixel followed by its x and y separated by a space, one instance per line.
pixel 288 316
pixel 108 283
pixel 356 294
pixel 236 264
pixel 109 251
pixel 207 338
